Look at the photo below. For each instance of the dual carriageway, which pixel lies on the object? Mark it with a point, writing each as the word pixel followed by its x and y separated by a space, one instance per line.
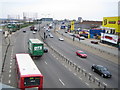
pixel 56 74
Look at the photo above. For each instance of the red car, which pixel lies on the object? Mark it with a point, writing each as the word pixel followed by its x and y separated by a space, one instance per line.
pixel 81 54
pixel 95 42
pixel 78 36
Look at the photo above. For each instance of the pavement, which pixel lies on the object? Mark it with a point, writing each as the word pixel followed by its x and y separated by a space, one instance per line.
pixel 100 46
pixel 107 52
pixel 3 47
pixel 0 53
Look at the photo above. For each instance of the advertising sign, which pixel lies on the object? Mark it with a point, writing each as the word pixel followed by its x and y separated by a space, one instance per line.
pixel 38 48
pixel 109 38
pixel 72 25
pixel 112 22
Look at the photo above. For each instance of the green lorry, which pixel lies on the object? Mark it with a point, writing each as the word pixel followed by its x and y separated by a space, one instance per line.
pixel 35 47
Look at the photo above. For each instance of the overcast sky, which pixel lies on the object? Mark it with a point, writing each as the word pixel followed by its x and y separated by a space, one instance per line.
pixel 60 9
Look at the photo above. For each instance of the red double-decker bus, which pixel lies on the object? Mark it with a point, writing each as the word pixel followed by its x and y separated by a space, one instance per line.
pixel 28 75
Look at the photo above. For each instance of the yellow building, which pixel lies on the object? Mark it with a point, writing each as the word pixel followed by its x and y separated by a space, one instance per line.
pixel 112 23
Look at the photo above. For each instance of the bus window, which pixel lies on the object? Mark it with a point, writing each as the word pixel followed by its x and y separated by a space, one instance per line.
pixel 29 81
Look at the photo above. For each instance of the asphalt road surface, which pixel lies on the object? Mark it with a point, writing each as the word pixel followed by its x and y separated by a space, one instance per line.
pixel 55 74
pixel 68 50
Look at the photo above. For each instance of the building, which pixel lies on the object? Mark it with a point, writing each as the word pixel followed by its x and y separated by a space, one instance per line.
pixel 81 26
pixel 85 24
pixel 112 25
pixel 112 31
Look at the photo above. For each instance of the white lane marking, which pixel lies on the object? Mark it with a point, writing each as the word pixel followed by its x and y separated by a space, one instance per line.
pixel 10 63
pixel 96 78
pixel 75 74
pixel 90 74
pixel 9 75
pixel 80 78
pixel 10 66
pixel 12 54
pixel 45 62
pixel 87 84
pixel 57 58
pixel 11 60
pixel 105 83
pixel 9 81
pixel 61 82
pixel 10 71
pixel 84 70
pixel 69 69
pixel 65 66
pixel 12 51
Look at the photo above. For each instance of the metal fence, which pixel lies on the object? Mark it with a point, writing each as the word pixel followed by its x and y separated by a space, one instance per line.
pixel 77 68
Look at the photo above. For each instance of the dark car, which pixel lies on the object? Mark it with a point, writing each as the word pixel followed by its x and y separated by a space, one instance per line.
pixel 65 31
pixel 32 28
pixel 35 29
pixel 45 50
pixel 24 31
pixel 101 70
pixel 94 42
pixel 81 53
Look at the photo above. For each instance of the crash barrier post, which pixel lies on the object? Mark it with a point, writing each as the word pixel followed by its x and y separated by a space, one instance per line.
pixel 95 48
pixel 89 77
pixel 78 69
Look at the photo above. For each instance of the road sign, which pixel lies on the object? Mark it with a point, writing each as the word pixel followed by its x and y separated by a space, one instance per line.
pixel 72 25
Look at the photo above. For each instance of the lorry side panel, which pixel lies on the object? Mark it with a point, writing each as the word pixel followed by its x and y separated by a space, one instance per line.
pixel 30 47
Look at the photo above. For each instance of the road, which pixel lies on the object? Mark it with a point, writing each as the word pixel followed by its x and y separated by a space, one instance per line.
pixel 0 51
pixel 68 50
pixel 104 47
pixel 55 74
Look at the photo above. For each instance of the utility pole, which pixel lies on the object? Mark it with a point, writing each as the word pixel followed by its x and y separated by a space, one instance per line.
pixel 55 26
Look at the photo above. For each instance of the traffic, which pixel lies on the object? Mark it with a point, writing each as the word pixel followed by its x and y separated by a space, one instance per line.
pixel 36 50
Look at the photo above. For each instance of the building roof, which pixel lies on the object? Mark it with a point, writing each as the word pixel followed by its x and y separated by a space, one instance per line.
pixel 91 22
pixel 46 19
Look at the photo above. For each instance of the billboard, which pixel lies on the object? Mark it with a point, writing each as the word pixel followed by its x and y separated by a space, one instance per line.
pixel 112 22
pixel 72 25
pixel 109 38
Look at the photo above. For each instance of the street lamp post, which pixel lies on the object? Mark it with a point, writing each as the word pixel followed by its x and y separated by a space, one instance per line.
pixel 39 24
pixel 55 26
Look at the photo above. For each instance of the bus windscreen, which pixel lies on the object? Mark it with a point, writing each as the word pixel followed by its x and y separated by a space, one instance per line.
pixel 31 81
